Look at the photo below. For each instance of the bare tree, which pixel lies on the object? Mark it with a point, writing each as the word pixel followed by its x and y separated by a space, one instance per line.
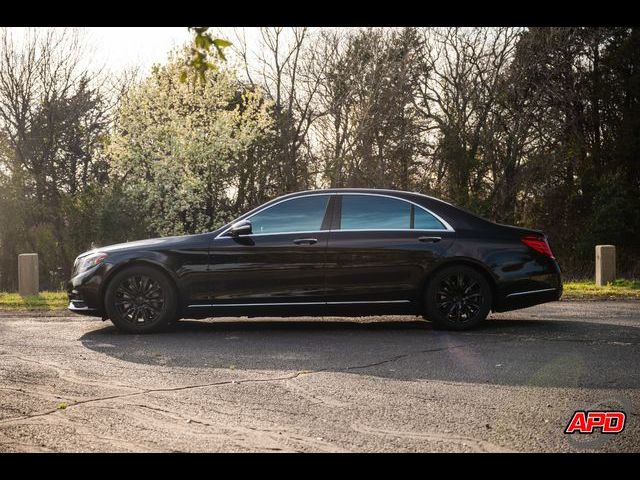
pixel 459 71
pixel 282 66
pixel 53 120
pixel 369 135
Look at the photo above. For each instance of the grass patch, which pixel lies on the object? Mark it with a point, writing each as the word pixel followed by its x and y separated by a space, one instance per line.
pixel 587 289
pixel 43 301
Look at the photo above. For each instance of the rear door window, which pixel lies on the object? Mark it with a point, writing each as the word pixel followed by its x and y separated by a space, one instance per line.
pixel 371 212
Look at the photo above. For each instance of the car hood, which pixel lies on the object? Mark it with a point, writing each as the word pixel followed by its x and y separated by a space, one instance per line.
pixel 151 243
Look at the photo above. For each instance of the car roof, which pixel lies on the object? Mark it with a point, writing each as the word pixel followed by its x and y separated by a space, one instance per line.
pixel 382 191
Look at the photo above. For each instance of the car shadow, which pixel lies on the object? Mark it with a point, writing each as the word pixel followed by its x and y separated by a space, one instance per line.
pixel 545 353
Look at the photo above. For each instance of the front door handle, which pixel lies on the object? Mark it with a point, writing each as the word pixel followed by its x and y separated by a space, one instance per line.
pixel 429 239
pixel 305 241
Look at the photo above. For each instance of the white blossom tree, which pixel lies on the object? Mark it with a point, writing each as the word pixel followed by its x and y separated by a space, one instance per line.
pixel 181 148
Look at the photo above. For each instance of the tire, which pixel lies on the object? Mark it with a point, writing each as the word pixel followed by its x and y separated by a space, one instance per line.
pixel 141 299
pixel 457 298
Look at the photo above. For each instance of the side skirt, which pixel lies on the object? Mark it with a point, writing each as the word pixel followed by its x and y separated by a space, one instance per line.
pixel 313 309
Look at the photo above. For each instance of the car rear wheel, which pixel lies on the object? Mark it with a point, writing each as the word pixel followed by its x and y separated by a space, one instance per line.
pixel 457 298
pixel 141 299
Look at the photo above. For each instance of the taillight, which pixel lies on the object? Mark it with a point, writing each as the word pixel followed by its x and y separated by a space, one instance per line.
pixel 539 244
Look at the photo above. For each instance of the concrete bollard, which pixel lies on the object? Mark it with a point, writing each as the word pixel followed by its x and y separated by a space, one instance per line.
pixel 28 281
pixel 605 264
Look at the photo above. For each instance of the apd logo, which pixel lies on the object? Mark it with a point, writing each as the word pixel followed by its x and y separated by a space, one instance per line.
pixel 586 422
pixel 593 426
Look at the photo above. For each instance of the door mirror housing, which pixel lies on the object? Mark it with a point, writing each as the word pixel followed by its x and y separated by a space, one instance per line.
pixel 242 227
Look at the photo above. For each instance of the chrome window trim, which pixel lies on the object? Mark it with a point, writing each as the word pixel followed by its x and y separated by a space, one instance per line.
pixel 448 228
pixel 532 291
pixel 279 304
pixel 338 231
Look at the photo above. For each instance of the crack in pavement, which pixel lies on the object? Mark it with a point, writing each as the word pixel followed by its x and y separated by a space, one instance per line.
pixel 67 374
pixel 35 393
pixel 292 376
pixel 154 390
pixel 395 358
pixel 274 436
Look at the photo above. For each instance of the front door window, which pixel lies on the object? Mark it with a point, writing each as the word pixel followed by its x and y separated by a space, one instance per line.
pixel 304 214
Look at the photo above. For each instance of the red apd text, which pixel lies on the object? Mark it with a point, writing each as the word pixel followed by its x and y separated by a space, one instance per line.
pixel 590 421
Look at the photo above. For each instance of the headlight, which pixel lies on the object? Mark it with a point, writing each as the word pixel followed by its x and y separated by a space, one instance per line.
pixel 85 263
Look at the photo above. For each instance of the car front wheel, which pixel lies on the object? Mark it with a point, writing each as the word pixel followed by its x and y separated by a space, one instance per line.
pixel 457 298
pixel 141 299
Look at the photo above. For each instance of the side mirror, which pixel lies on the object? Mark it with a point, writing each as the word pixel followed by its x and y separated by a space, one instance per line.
pixel 243 227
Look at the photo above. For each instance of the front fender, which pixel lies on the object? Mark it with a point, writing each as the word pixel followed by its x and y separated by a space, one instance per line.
pixel 158 260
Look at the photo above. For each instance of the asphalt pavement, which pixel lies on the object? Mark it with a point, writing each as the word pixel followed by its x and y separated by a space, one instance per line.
pixel 371 384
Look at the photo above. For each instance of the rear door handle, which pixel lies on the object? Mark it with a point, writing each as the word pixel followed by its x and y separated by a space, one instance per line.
pixel 429 239
pixel 305 241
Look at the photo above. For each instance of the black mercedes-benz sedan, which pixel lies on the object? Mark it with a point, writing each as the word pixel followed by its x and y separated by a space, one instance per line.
pixel 343 252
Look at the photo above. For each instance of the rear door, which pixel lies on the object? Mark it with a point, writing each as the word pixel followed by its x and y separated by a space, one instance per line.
pixel 380 248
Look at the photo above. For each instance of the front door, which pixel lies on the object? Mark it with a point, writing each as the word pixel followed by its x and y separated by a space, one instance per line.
pixel 280 262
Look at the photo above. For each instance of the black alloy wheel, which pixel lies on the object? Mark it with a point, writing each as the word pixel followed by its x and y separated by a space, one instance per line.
pixel 140 299
pixel 457 298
